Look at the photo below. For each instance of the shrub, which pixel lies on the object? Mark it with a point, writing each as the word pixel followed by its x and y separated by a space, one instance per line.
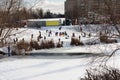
pixel 106 39
pixel 20 47
pixel 43 45
pixel 2 53
pixel 75 41
pixel 51 44
pixel 59 45
pixel 18 51
pixel 23 45
pixel 111 41
pixel 102 74
pixel 14 52
pixel 34 45
pixel 47 44
pixel 103 38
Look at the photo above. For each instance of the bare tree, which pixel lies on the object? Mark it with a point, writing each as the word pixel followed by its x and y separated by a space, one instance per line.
pixel 112 7
pixel 11 13
pixel 7 13
pixel 40 13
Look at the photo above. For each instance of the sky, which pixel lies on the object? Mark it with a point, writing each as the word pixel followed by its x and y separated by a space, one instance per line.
pixel 55 6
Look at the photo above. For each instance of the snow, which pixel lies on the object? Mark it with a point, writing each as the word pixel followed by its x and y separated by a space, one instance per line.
pixel 67 48
pixel 50 67
pixel 4 49
pixel 57 67
pixel 98 48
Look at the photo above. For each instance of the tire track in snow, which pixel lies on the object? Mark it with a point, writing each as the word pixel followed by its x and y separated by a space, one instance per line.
pixel 60 70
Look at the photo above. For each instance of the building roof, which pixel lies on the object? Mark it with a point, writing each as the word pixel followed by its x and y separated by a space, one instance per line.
pixel 48 19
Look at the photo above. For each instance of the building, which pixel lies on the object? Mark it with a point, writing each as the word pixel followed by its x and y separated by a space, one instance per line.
pixel 91 10
pixel 71 9
pixel 44 22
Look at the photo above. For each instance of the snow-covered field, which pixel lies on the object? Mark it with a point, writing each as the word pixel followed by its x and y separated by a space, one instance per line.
pixel 57 67
pixel 50 67
pixel 67 48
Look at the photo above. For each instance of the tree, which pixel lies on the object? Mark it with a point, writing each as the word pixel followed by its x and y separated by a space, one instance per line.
pixel 8 9
pixel 12 12
pixel 112 8
pixel 40 13
pixel 48 14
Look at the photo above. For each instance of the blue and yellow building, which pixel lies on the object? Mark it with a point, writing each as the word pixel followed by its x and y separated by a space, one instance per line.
pixel 45 22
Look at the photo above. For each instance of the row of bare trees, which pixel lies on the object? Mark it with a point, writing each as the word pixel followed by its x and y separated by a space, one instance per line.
pixel 12 12
pixel 8 10
pixel 82 8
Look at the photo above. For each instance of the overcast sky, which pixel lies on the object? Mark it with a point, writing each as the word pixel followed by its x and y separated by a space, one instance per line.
pixel 56 6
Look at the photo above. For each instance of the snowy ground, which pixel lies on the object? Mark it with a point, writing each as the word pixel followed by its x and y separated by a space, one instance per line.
pixel 50 67
pixel 57 67
pixel 67 48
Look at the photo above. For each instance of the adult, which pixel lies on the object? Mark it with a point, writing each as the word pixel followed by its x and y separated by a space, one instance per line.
pixel 9 53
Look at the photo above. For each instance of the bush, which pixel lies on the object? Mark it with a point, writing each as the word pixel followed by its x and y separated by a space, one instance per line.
pixel 34 45
pixel 59 45
pixel 112 41
pixel 51 44
pixel 102 74
pixel 23 45
pixel 43 45
pixel 20 48
pixel 2 53
pixel 47 44
pixel 105 39
pixel 75 41
pixel 14 52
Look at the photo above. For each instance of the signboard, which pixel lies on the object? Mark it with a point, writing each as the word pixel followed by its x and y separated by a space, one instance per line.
pixel 52 23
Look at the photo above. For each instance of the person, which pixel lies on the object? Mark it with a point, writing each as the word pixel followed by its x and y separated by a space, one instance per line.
pixel 59 40
pixel 81 30
pixel 16 40
pixel 79 37
pixel 9 54
pixel 60 34
pixel 44 37
pixel 39 32
pixel 40 36
pixel 56 33
pixel 31 36
pixel 60 28
pixel 46 31
pixel 65 33
pixel 50 32
pixel 73 34
pixel 89 34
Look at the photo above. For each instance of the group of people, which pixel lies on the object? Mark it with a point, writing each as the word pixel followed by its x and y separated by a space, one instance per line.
pixel 61 33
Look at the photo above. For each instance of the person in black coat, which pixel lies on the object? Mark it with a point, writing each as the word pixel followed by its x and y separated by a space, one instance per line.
pixel 9 54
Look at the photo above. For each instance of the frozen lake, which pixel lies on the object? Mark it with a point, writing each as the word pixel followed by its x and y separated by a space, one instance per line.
pixel 49 67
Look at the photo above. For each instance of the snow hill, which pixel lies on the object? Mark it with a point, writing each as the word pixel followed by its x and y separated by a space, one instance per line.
pixel 26 33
